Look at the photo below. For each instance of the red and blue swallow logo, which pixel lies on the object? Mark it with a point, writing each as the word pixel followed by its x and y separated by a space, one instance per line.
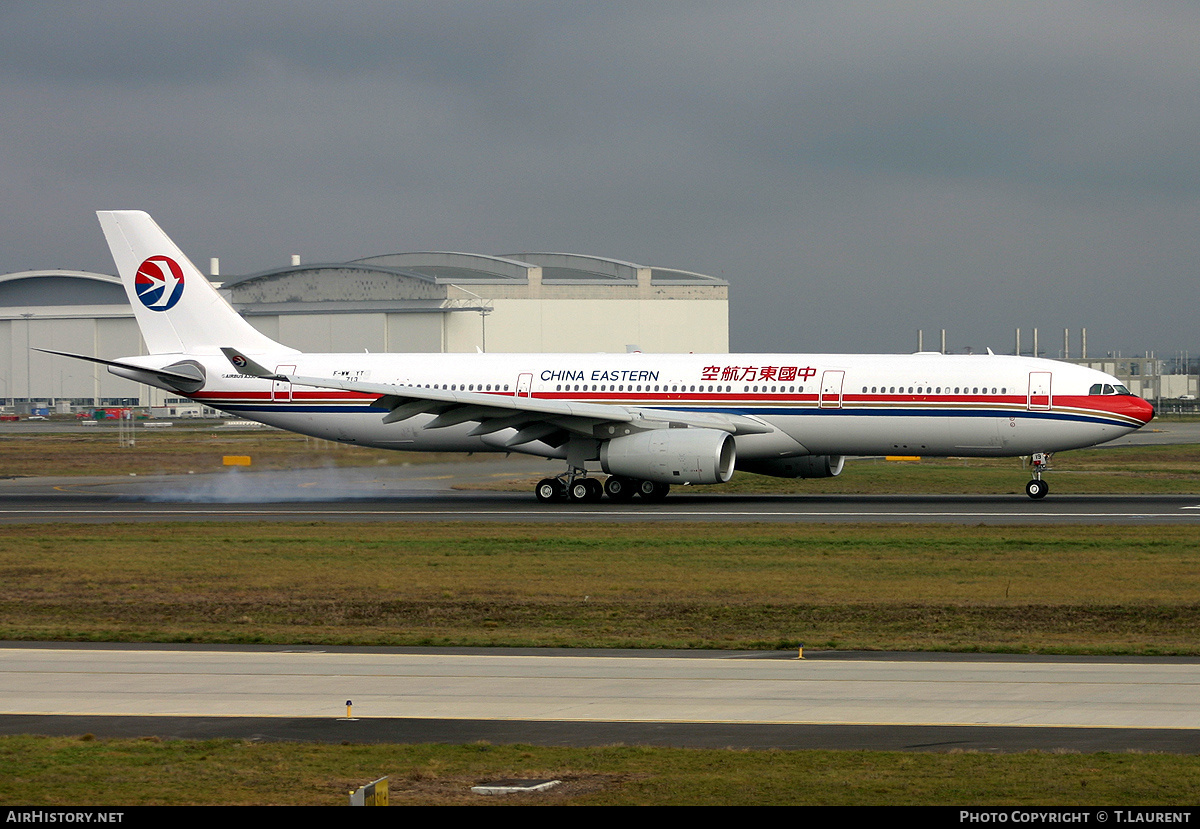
pixel 159 283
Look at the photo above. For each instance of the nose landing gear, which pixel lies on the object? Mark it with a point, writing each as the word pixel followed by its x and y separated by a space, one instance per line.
pixel 1038 489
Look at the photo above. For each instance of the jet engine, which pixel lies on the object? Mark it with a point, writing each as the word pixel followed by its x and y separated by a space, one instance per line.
pixel 672 456
pixel 807 466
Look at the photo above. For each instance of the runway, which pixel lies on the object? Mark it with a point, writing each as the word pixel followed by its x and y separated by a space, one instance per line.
pixel 751 700
pixel 451 492
pixel 457 491
pixel 46 501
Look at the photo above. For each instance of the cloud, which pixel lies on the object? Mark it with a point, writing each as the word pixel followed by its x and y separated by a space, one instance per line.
pixel 855 170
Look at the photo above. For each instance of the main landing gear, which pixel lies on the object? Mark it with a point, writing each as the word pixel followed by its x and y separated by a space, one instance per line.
pixel 584 490
pixel 1038 489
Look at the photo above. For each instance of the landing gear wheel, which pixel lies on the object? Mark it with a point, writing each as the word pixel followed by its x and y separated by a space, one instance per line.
pixel 653 491
pixel 1037 489
pixel 586 490
pixel 550 490
pixel 620 488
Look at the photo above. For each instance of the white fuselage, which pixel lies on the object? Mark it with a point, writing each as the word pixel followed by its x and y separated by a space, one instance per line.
pixel 814 404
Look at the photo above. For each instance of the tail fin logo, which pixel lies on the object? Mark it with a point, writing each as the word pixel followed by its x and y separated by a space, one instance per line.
pixel 159 283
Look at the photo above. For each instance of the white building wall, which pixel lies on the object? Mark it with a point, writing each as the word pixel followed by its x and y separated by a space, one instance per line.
pixel 333 332
pixel 25 373
pixel 515 326
pixel 566 325
pixel 414 333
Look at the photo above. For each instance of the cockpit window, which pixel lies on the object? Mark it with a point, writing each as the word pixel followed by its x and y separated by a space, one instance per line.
pixel 1106 388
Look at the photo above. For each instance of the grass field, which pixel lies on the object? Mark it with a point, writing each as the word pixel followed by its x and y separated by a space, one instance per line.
pixel 72 772
pixel 180 450
pixel 907 587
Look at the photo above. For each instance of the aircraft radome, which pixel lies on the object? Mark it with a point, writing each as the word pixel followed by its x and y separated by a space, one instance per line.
pixel 647 420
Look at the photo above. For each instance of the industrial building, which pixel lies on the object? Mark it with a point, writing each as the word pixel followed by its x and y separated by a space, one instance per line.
pixel 1146 377
pixel 1174 382
pixel 403 303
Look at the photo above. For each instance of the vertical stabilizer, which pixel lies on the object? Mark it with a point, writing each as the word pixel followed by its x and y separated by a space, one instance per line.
pixel 177 309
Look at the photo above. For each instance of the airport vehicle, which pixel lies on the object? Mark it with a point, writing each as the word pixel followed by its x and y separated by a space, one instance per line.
pixel 647 420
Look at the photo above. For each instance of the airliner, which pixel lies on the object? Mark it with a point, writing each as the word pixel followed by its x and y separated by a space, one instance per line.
pixel 646 421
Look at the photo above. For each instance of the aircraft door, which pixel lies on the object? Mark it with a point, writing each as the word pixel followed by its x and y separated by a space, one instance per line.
pixel 831 389
pixel 1040 398
pixel 282 389
pixel 524 385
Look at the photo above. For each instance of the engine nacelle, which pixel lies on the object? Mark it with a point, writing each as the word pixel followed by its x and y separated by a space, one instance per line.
pixel 672 456
pixel 807 466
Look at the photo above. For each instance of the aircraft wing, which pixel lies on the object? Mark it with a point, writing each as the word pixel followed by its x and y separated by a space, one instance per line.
pixel 533 418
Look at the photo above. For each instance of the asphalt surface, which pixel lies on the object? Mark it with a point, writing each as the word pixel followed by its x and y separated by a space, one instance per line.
pixel 914 702
pixel 426 493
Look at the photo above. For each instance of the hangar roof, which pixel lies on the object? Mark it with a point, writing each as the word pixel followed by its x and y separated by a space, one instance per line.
pixel 574 267
pixel 446 267
pixel 39 289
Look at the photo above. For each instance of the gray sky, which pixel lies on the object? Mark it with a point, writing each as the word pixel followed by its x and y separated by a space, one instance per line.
pixel 856 170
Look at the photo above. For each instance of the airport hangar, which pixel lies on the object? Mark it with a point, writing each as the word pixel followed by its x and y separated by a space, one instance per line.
pixel 405 302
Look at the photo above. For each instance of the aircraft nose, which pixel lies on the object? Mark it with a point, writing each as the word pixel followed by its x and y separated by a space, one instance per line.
pixel 1144 411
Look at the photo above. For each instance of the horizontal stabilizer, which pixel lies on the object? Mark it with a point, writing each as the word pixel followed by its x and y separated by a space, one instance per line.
pixel 184 377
